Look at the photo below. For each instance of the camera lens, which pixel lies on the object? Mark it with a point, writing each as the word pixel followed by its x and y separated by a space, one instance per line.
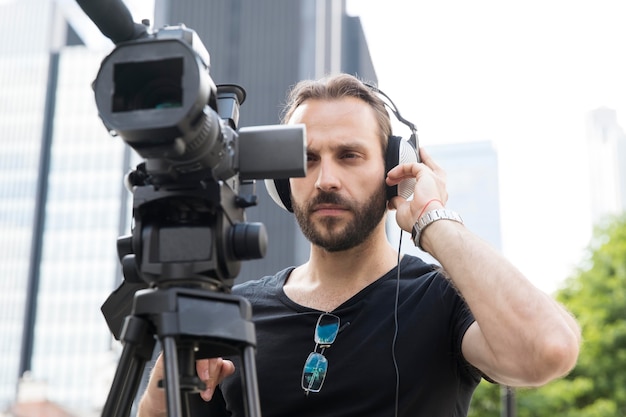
pixel 148 85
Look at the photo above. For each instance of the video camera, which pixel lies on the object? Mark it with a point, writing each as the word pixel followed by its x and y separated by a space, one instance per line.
pixel 154 90
pixel 156 93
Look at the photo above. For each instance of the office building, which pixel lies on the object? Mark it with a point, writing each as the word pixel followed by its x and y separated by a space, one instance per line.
pixel 606 144
pixel 473 186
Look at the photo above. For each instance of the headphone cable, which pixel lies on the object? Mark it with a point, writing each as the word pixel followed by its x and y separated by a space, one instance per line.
pixel 395 333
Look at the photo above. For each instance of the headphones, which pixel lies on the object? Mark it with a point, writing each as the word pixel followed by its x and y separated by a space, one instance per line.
pixel 399 151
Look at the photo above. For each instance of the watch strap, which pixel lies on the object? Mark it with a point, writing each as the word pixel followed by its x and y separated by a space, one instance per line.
pixel 429 218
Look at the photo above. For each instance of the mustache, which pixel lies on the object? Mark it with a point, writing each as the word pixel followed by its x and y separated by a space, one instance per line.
pixel 324 197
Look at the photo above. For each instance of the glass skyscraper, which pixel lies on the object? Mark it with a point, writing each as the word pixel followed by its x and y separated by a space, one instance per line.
pixel 82 221
pixel 472 181
pixel 61 194
pixel 606 145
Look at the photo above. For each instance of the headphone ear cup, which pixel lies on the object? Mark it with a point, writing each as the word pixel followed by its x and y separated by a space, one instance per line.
pixel 400 152
pixel 391 160
pixel 280 191
pixel 407 155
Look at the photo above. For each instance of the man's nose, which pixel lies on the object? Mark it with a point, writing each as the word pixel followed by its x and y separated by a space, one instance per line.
pixel 328 176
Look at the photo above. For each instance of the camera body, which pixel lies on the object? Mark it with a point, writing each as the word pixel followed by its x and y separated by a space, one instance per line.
pixel 199 169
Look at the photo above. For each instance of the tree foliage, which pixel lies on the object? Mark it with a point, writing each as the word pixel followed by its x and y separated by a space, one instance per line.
pixel 596 295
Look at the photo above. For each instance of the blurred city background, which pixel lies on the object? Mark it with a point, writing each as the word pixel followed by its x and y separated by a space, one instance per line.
pixel 534 193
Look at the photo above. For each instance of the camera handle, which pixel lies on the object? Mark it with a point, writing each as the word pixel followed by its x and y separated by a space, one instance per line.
pixel 191 324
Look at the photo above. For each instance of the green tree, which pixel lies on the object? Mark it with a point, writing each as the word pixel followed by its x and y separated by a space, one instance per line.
pixel 596 295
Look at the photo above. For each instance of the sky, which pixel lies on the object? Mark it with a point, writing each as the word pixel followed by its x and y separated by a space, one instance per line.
pixel 524 75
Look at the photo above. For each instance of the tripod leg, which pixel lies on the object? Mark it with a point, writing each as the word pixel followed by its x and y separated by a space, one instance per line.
pixel 172 384
pixel 138 348
pixel 250 382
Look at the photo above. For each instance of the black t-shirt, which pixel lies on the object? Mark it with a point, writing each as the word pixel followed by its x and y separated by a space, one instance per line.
pixel 433 377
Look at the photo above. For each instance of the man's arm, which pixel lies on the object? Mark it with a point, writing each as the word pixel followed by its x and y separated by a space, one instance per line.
pixel 152 403
pixel 521 336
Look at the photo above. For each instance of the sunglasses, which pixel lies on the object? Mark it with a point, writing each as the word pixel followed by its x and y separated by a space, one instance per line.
pixel 316 364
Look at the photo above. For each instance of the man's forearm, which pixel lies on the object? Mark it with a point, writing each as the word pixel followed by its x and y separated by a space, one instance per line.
pixel 153 402
pixel 527 331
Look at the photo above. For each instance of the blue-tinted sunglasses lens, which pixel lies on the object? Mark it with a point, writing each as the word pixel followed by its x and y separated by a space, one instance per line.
pixel 314 372
pixel 326 329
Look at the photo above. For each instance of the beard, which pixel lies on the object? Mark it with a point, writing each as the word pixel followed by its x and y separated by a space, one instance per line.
pixel 333 234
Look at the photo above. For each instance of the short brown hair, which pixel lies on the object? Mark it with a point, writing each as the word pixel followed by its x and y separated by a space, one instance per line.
pixel 336 87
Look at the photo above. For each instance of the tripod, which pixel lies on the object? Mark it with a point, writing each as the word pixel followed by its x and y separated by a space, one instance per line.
pixel 191 324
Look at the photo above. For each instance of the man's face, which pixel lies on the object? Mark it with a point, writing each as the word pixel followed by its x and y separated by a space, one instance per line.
pixel 342 198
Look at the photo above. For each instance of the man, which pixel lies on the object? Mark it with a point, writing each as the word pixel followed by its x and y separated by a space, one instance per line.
pixel 352 332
